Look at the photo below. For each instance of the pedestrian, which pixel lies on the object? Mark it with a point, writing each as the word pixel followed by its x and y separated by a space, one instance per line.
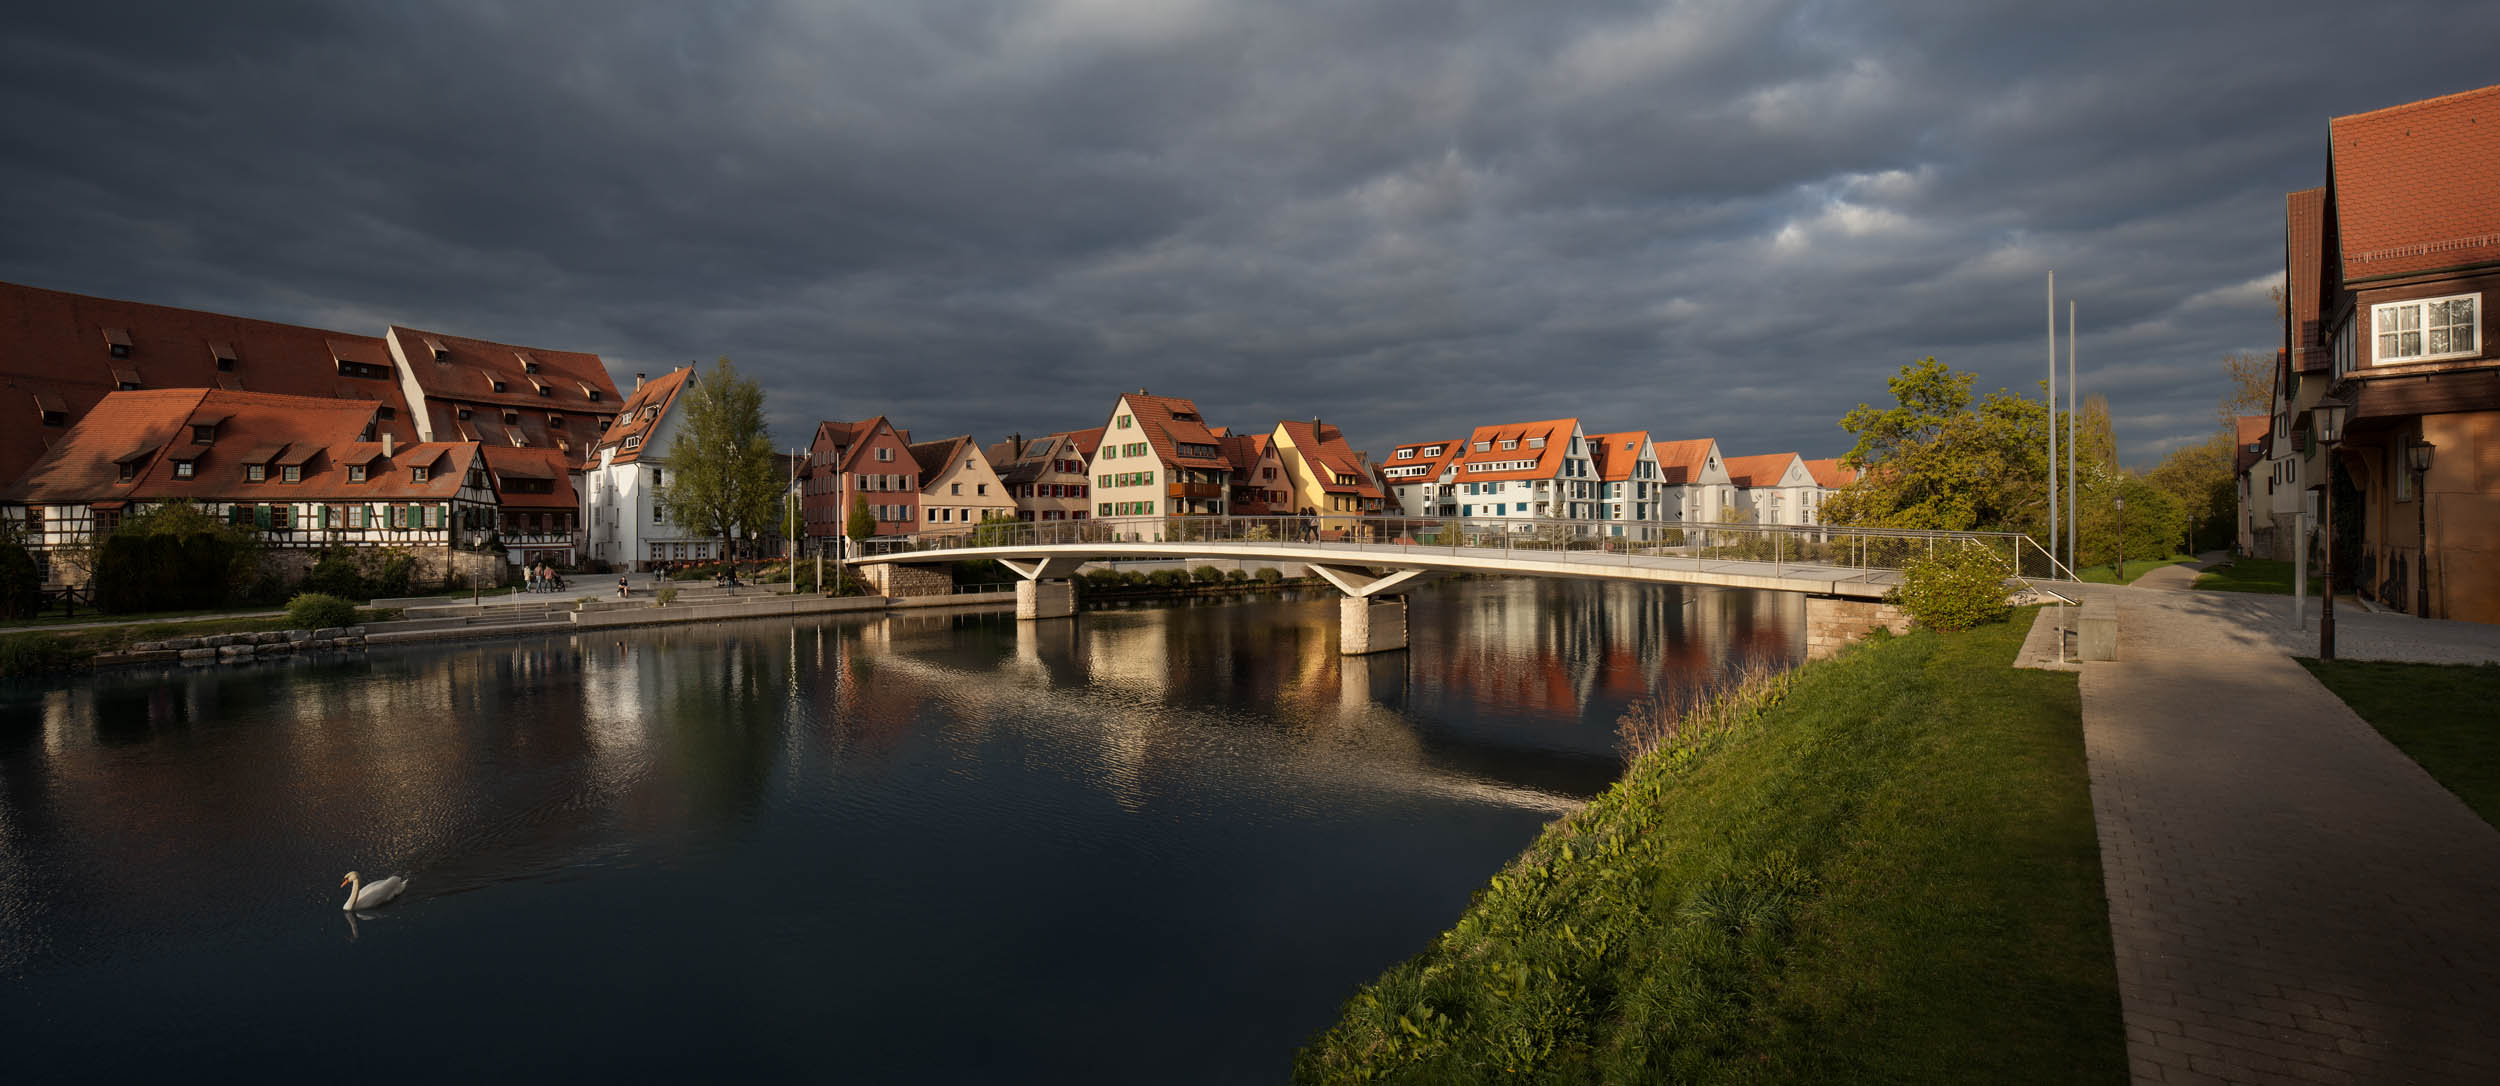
pixel 620 587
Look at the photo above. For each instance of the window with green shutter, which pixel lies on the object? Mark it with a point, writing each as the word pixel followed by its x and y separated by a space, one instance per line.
pixel 260 517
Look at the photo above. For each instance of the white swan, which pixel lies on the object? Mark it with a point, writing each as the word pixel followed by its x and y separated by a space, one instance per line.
pixel 361 896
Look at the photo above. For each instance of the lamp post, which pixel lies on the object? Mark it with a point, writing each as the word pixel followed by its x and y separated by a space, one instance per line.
pixel 2121 505
pixel 2420 454
pixel 2326 419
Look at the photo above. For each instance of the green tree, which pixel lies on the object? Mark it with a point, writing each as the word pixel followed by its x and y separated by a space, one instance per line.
pixel 721 480
pixel 862 523
pixel 21 585
pixel 2198 477
pixel 1938 459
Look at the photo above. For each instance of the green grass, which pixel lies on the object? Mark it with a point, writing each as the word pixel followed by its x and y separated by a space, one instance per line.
pixel 2253 575
pixel 2438 714
pixel 1890 875
pixel 87 614
pixel 29 653
pixel 2136 567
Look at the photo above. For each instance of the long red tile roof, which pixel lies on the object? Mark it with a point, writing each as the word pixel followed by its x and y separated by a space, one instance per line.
pixel 1830 474
pixel 56 354
pixel 1681 462
pixel 1555 433
pixel 1324 447
pixel 640 415
pixel 1764 469
pixel 1617 454
pixel 155 429
pixel 2305 276
pixel 2417 186
pixel 1167 422
pixel 1450 450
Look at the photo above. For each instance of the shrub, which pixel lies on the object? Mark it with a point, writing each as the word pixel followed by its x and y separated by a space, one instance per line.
pixel 21 587
pixel 1206 575
pixel 1956 589
pixel 146 571
pixel 338 572
pixel 1168 578
pixel 1269 575
pixel 392 576
pixel 315 610
pixel 668 595
pixel 34 654
pixel 1235 576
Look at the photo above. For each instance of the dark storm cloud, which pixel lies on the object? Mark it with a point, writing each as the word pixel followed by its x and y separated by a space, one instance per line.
pixel 1723 218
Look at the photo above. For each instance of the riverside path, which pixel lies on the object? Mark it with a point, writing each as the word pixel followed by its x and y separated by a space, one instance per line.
pixel 2291 898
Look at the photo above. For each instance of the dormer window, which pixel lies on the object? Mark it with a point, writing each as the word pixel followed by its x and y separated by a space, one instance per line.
pixel 420 473
pixel 633 443
pixel 117 342
pixel 54 410
pixel 129 470
pixel 204 434
pixel 435 347
pixel 555 421
pixel 512 418
pixel 184 469
pixel 592 393
pixel 1536 443
pixel 255 473
pixel 355 473
pixel 528 364
pixel 1484 446
pixel 224 355
pixel 1509 444
pixel 497 382
pixel 463 413
pixel 650 413
pixel 291 473
pixel 125 378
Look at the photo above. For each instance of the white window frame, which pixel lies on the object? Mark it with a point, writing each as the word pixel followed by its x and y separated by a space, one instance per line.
pixel 2380 312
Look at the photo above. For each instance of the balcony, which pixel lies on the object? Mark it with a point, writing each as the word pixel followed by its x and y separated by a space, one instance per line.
pixel 1193 490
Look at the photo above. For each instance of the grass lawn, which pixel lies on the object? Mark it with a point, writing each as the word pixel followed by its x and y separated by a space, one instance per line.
pixel 2136 567
pixel 2440 715
pixel 1890 876
pixel 2254 575
pixel 86 615
pixel 27 653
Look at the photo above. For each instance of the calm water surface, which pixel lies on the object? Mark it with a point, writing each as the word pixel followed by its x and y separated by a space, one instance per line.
pixel 1150 844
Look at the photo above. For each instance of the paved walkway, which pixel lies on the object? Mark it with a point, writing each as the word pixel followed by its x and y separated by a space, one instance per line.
pixel 2291 898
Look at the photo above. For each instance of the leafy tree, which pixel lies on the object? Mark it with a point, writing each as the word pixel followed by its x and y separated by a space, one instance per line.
pixel 1939 460
pixel 721 480
pixel 21 585
pixel 2198 477
pixel 2252 386
pixel 862 523
pixel 174 556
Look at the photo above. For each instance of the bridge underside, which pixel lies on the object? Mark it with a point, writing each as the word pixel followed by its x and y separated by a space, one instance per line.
pixel 1374 578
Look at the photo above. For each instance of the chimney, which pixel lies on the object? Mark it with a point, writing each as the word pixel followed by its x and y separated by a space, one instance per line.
pixel 1015 444
pixel 388 444
pixel 637 382
pixel 1141 391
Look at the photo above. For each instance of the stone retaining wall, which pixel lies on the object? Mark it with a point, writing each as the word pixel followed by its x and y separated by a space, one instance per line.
pixel 902 581
pixel 1833 624
pixel 231 648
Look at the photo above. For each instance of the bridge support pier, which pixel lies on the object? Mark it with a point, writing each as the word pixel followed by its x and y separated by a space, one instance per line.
pixel 1366 625
pixel 1045 599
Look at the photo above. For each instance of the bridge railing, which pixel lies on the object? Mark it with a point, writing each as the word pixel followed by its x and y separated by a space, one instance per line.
pixel 1782 547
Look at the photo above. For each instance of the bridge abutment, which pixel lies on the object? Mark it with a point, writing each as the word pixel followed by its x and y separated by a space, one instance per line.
pixel 1366 625
pixel 1037 599
pixel 1833 624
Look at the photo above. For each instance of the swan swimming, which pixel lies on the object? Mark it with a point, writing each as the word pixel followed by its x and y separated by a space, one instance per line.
pixel 361 896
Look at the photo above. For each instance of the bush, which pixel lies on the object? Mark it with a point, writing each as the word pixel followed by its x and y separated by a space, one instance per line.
pixel 1168 578
pixel 315 610
pixel 1957 589
pixel 393 576
pixel 34 654
pixel 1206 575
pixel 21 587
pixel 142 571
pixel 668 595
pixel 338 572
pixel 1235 576
pixel 1269 575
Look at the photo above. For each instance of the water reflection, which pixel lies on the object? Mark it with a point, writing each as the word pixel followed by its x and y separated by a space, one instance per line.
pixel 863 831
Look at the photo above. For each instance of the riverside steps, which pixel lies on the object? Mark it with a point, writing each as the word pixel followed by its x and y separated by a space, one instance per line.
pixel 594 604
pixel 1372 560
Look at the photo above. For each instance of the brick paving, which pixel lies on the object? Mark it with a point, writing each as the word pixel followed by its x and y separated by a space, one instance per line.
pixel 2291 898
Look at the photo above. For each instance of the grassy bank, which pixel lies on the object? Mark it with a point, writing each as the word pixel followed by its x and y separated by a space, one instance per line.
pixel 34 653
pixel 2253 575
pixel 1890 875
pixel 2438 714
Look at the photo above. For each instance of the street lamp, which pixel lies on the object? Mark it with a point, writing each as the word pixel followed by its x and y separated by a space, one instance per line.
pixel 2121 505
pixel 2326 419
pixel 2420 454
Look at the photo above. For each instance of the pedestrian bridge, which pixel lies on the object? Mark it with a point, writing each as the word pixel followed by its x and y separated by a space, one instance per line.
pixel 1373 560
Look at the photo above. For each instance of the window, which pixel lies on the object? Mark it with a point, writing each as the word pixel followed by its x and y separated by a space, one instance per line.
pixel 885 455
pixel 1510 443
pixel 1123 418
pixel 633 443
pixel 980 490
pixel 355 473
pixel 291 473
pixel 955 488
pixel 497 383
pixel 555 421
pixel 1538 443
pixel 1484 446
pixel 420 473
pixel 184 469
pixel 512 418
pixel 204 435
pixel 117 342
pixel 659 513
pixel 280 517
pixel 255 473
pixel 594 394
pixel 2426 330
pixel 658 477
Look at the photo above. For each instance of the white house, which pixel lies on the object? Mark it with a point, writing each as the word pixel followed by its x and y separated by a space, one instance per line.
pixel 627 523
pixel 1697 484
pixel 1772 488
pixel 1524 471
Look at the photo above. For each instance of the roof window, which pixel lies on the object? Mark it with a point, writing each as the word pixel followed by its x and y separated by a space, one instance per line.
pixel 528 364
pixel 224 354
pixel 125 378
pixel 55 412
pixel 633 443
pixel 463 414
pixel 496 382
pixel 512 418
pixel 440 352
pixel 117 342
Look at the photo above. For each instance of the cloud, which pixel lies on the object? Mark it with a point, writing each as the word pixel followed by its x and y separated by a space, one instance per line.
pixel 1408 217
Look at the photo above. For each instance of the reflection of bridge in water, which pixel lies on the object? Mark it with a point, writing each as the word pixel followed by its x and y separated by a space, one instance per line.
pixel 1373 561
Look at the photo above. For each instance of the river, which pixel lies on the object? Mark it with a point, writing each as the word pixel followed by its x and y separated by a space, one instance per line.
pixel 1148 844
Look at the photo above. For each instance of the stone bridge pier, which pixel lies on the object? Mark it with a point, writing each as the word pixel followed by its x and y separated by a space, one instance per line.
pixel 1370 618
pixel 1043 588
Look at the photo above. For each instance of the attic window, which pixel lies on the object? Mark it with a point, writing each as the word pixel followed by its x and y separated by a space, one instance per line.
pixel 1484 446
pixel 528 364
pixel 441 353
pixel 355 473
pixel 633 443
pixel 497 382
pixel 117 342
pixel 555 421
pixel 544 389
pixel 512 418
pixel 420 473
pixel 464 414
pixel 224 354
pixel 365 370
pixel 386 411
pixel 652 412
pixel 1510 443
pixel 1627 446
pixel 1533 443
pixel 204 433
pixel 590 392
pixel 125 378
pixel 185 469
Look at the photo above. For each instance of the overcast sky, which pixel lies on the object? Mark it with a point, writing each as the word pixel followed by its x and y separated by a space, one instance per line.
pixel 1724 219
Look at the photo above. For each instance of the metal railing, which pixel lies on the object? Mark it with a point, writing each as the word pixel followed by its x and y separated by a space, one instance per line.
pixel 1784 548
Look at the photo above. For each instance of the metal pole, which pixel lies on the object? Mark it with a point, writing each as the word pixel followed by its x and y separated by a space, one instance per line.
pixel 2052 413
pixel 2326 602
pixel 2422 531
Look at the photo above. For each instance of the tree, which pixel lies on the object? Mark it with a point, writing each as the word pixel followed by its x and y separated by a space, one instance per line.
pixel 721 480
pixel 1937 460
pixel 2252 387
pixel 2199 478
pixel 862 523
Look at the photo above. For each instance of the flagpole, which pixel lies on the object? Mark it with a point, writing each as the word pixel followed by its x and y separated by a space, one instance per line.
pixel 2052 419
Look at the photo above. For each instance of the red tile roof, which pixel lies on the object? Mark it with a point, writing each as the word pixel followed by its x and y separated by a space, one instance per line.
pixel 507 463
pixel 640 415
pixel 2417 186
pixel 317 434
pixel 934 456
pixel 1086 441
pixel 1555 433
pixel 1324 448
pixel 2304 276
pixel 452 367
pixel 1829 474
pixel 1167 422
pixel 54 353
pixel 2249 436
pixel 1617 454
pixel 1681 462
pixel 1433 466
pixel 1765 469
